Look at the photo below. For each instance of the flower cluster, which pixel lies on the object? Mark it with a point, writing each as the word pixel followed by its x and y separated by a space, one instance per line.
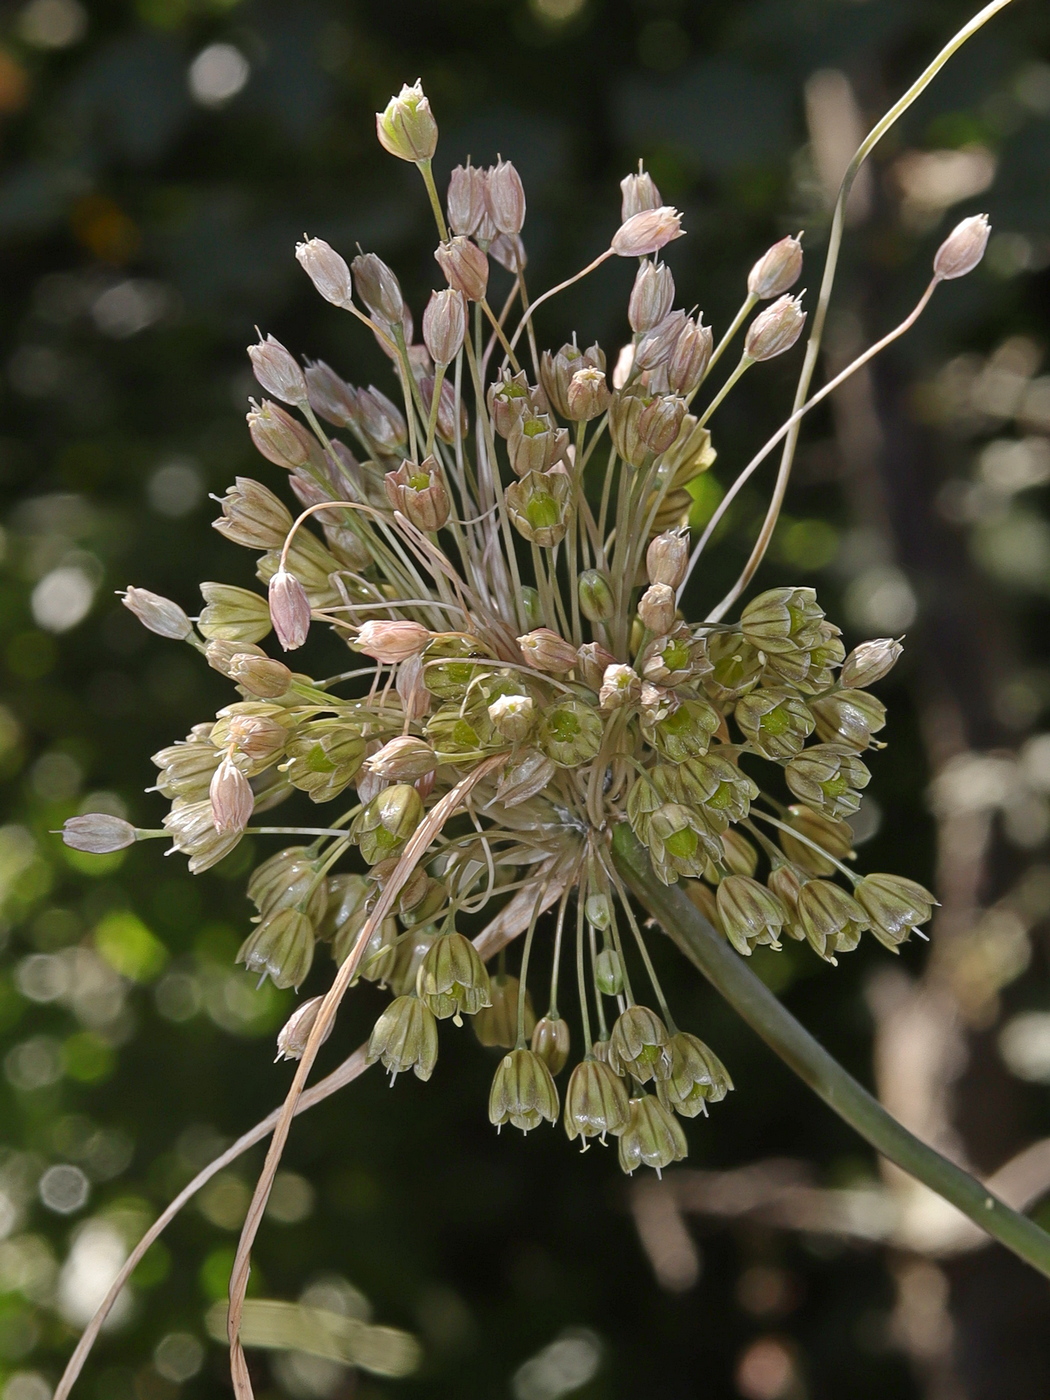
pixel 503 551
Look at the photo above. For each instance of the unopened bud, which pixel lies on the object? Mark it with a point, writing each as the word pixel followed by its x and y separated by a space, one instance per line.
pixel 327 270
pixel 656 608
pixel 391 642
pixel 232 800
pixel 289 610
pixel 278 371
pixel 777 270
pixel 776 329
pixel 869 662
pixel 551 1041
pixel 293 1035
pixel 638 192
pixel 253 516
pixel 546 651
pixel 98 833
pixel 608 972
pixel 505 197
pixel 587 395
pixel 656 344
pixel 592 662
pixel 379 289
pixel 596 599
pixel 687 363
pixel 667 559
pixel 621 685
pixel 157 614
pixel 963 249
pixel 465 266
pixel 466 199
pixel 233 614
pixel 444 325
pixel 260 675
pixel 652 296
pixel 647 232
pixel 513 717
pixel 407 128
pixel 277 435
pixel 403 759
pixel 659 422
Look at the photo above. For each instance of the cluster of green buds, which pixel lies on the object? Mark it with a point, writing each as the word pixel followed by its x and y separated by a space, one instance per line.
pixel 502 546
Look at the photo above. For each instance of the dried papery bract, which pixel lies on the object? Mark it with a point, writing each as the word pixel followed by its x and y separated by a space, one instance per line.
pixel 293 1035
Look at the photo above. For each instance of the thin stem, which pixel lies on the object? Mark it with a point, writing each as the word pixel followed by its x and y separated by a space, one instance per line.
pixel 556 965
pixel 797 835
pixel 581 980
pixel 425 169
pixel 745 364
pixel 741 316
pixel 756 1004
pixel 435 403
pixel 523 979
pixel 527 316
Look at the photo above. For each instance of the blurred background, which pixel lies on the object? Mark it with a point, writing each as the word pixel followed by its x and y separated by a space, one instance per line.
pixel 158 160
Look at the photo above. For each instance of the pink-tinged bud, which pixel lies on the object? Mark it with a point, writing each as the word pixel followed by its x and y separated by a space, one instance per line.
pixel 776 329
pixel 647 232
pixel 391 642
pixel 667 559
pixel 776 271
pixel 505 197
pixel 465 266
pixel 587 395
pixel 403 760
pixel 419 493
pixel 620 686
pixel 656 608
pixel 381 421
pixel 509 251
pixel 415 698
pixel 327 270
pixel 331 398
pixel 592 662
pixel 869 662
pixel 279 438
pixel 546 651
pixel 963 249
pixel 232 799
pixel 407 128
pixel 158 614
pixel 687 363
pixel 445 325
pixel 260 675
pixel 98 833
pixel 289 610
pixel 639 193
pixel 659 423
pixel 656 345
pixel 379 289
pixel 652 296
pixel 466 199
pixel 293 1035
pixel 278 371
pixel 256 738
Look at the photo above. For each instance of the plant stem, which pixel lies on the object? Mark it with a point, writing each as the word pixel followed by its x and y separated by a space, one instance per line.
pixel 751 999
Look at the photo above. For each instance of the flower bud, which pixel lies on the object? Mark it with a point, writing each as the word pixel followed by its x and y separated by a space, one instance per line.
pixel 786 883
pixel 750 914
pixel 690 355
pixel 279 438
pixel 621 685
pixel 556 372
pixel 659 422
pixel 596 599
pixel 497 1024
pixel 233 614
pixel 963 249
pixel 260 675
pixel 596 1102
pixel 98 833
pixel 379 289
pixel 513 717
pixel 848 717
pixel 608 972
pixel 777 270
pixel 667 558
pixel 288 879
pixel 327 271
pixel 324 757
pixel 391 642
pixel 403 759
pixel 776 329
pixel 232 799
pixel 523 1092
pixel 655 346
pixel 452 980
pixel 592 661
pixel 465 266
pixel 466 199
pixel 192 829
pixel 570 733
pixel 405 1038
pixel 281 948
pixel 639 193
pixel 382 422
pixel 652 296
pixel 546 651
pixel 539 506
pixel 652 1138
pixel 523 777
pixel 278 371
pixel 782 620
pixel 157 614
pixel 293 1035
pixel 656 608
pixel 625 409
pixel 870 662
pixel 894 905
pixel 776 722
pixel 551 1041
pixel 587 395
pixel 444 325
pixel 826 776
pixel 419 493
pixel 406 128
pixel 698 1077
pixel 647 232
pixel 289 610
pixel 638 1045
pixel 253 516
pixel 833 920
pixel 505 197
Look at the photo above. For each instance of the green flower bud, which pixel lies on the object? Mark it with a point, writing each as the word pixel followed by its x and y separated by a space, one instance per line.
pixel 739 854
pixel 324 757
pixel 786 883
pixel 497 1024
pixel 826 776
pixel 523 1092
pixel 281 948
pixel 406 128
pixel 452 979
pixel 526 774
pixel 608 972
pixel 698 1077
pixel 286 880
pixel 596 1102
pixel 782 620
pixel 835 837
pixel 551 1041
pixel 388 821
pixel 451 664
pixel 186 768
pixel 684 733
pixel 530 601
pixel 233 614
pixel 638 1045
pixel 719 788
pixel 848 717
pixel 540 506
pixel 596 599
pixel 832 919
pixel 653 1137
pixel 598 911
pixel 405 1038
pixel 570 733
pixel 751 915
pixel 456 732
pixel 869 662
pixel 895 906
pixel 775 721
pixel 402 969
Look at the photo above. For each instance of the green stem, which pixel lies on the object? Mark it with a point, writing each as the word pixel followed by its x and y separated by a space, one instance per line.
pixel 752 1000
